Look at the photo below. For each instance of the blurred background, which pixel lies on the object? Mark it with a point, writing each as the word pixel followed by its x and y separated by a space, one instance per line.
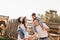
pixel 11 10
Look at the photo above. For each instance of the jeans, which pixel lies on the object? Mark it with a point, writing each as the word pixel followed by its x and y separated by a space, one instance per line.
pixel 44 38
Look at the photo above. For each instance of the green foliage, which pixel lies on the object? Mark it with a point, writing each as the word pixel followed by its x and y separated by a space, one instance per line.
pixel 52 16
pixel 5 38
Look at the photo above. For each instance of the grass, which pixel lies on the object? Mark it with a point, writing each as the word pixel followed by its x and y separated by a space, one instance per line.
pixel 5 38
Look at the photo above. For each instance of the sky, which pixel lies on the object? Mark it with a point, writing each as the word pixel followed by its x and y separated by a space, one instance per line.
pixel 17 8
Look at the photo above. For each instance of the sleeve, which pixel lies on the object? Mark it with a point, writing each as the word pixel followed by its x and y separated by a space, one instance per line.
pixel 45 26
pixel 18 29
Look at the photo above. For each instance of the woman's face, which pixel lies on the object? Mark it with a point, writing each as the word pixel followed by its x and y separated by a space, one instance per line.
pixel 25 20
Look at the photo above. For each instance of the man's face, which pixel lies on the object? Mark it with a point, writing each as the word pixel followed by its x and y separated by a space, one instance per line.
pixel 36 23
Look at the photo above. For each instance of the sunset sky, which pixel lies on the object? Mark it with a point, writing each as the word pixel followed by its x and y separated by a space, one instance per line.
pixel 16 8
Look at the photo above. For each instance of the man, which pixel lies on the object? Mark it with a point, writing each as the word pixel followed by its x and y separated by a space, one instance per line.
pixel 42 33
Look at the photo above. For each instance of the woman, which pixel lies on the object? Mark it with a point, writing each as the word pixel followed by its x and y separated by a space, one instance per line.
pixel 26 34
pixel 23 29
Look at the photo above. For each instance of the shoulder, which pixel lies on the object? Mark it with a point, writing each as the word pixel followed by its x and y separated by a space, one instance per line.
pixel 22 26
pixel 45 25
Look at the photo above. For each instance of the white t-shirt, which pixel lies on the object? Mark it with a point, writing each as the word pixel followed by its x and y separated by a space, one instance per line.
pixel 41 33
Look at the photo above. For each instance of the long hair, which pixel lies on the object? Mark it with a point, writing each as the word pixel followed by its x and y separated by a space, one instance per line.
pixel 19 20
pixel 23 22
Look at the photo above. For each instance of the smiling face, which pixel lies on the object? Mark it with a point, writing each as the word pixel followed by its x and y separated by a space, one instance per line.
pixel 25 19
pixel 33 17
pixel 36 22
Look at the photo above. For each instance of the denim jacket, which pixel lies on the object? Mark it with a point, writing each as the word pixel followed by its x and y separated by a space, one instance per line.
pixel 21 33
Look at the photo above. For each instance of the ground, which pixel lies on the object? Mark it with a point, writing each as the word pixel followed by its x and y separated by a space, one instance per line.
pixel 5 38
